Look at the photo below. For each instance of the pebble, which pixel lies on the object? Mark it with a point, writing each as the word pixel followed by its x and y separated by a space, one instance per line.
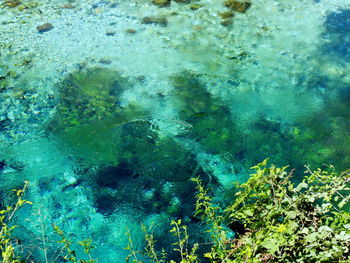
pixel 105 61
pixel 240 7
pixel 195 6
pixel 226 22
pixel 110 33
pixel 12 3
pixel 130 31
pixel 161 3
pixel 68 6
pixel 44 27
pixel 226 15
pixel 159 20
pixel 21 8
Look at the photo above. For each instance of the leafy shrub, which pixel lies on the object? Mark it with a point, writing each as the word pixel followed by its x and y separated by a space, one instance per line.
pixel 288 223
pixel 274 220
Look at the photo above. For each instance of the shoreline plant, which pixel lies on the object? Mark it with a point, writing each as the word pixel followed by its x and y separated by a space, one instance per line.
pixel 274 220
pixel 7 244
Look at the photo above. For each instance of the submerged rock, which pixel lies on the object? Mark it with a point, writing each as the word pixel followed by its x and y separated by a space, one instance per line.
pixel 237 6
pixel 44 27
pixel 226 15
pixel 161 3
pixel 110 33
pixel 226 22
pixel 195 6
pixel 12 3
pixel 182 1
pixel 105 61
pixel 130 31
pixel 68 6
pixel 158 20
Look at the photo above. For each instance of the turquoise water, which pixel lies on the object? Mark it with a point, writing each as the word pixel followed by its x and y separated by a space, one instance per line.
pixel 108 114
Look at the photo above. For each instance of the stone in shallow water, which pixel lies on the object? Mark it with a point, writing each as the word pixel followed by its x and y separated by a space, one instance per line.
pixel 237 6
pixel 110 33
pixel 44 27
pixel 161 3
pixel 12 3
pixel 226 15
pixel 195 6
pixel 158 20
pixel 226 22
pixel 130 31
pixel 182 1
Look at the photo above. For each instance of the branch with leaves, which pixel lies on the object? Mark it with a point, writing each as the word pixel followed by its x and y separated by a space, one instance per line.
pixel 7 247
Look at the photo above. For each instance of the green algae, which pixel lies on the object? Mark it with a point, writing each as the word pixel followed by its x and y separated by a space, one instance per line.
pixel 90 121
pixel 88 113
pixel 89 95
pixel 211 121
pixel 324 139
pixel 315 140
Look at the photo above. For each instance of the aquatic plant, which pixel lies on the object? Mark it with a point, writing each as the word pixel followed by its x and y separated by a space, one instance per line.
pixel 88 95
pixel 337 34
pixel 211 121
pixel 89 114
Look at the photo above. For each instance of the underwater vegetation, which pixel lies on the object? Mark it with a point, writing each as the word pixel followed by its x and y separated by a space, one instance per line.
pixel 218 130
pixel 210 120
pixel 337 34
pixel 133 167
pixel 91 119
pixel 88 115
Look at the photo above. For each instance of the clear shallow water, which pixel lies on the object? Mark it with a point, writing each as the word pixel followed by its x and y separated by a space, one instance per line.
pixel 109 124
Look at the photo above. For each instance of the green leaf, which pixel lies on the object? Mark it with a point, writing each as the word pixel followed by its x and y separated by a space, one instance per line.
pixel 270 244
